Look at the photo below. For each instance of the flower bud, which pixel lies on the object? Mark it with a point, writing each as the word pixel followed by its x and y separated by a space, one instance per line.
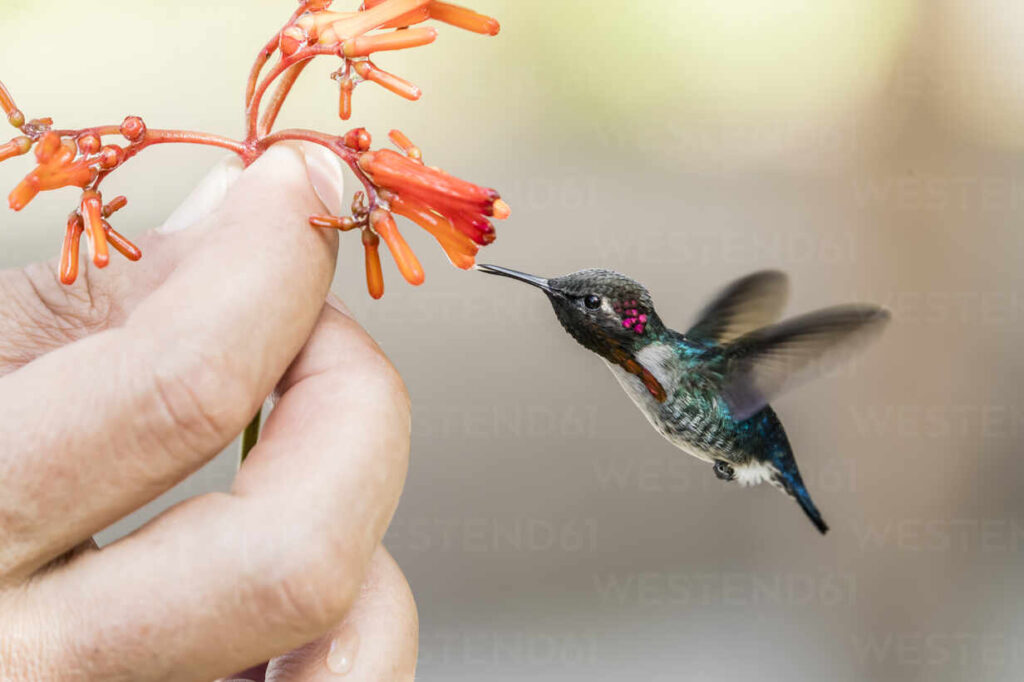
pixel 16 147
pixel 69 251
pixel 47 147
pixel 333 222
pixel 292 40
pixel 463 18
pixel 358 139
pixel 114 205
pixel 389 81
pixel 375 17
pixel 111 157
pixel 133 128
pixel 121 243
pixel 501 210
pixel 345 99
pixel 384 224
pixel 89 143
pixel 374 272
pixel 16 118
pixel 406 145
pixel 364 46
pixel 92 217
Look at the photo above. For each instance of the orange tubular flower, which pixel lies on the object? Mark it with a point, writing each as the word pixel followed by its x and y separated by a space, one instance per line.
pixel 398 40
pixel 69 252
pixel 90 220
pixel 374 17
pixel 463 18
pixel 7 105
pixel 57 168
pixel 406 145
pixel 390 81
pixel 92 215
pixel 461 250
pixel 121 243
pixel 348 33
pixel 453 211
pixel 16 147
pixel 116 239
pixel 465 205
pixel 384 225
pixel 345 99
pixel 374 274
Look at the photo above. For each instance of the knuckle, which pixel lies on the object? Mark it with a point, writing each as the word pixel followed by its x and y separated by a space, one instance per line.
pixel 40 314
pixel 379 381
pixel 198 397
pixel 311 587
pixel 382 387
pixel 69 312
pixel 386 386
pixel 391 583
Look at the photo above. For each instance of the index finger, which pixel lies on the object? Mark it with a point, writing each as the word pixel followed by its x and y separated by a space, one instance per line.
pixel 99 427
pixel 222 581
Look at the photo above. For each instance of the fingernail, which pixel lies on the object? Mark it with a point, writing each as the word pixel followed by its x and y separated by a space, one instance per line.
pixel 206 197
pixel 342 655
pixel 326 176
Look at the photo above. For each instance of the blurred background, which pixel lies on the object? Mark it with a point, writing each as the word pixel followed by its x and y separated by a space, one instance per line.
pixel 871 149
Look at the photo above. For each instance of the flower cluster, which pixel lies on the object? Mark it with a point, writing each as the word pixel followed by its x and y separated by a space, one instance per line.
pixel 346 34
pixel 457 213
pixel 91 219
pixel 76 160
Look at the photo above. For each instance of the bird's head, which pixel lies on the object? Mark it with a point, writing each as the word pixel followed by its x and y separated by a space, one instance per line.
pixel 604 311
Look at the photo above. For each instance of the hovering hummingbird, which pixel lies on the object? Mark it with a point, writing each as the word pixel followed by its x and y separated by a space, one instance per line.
pixel 707 390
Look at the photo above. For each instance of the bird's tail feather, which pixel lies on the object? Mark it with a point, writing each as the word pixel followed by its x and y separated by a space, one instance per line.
pixel 794 485
pixel 804 500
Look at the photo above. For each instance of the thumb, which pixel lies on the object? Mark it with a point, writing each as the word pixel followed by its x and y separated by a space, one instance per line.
pixel 323 170
pixel 279 182
pixel 101 299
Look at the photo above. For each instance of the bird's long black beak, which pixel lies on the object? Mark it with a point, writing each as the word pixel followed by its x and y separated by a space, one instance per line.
pixel 538 282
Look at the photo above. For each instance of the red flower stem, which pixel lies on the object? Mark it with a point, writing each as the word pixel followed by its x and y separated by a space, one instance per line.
pixel 98 130
pixel 254 76
pixel 6 100
pixel 252 431
pixel 265 54
pixel 191 137
pixel 155 137
pixel 279 96
pixel 253 110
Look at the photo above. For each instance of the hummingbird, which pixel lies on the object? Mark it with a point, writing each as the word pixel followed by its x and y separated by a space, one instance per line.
pixel 707 390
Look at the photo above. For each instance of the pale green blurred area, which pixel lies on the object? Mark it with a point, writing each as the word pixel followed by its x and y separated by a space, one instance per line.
pixel 872 149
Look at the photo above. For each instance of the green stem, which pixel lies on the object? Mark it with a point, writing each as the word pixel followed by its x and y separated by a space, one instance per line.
pixel 250 436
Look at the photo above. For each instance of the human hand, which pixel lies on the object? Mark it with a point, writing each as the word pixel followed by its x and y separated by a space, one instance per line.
pixel 115 389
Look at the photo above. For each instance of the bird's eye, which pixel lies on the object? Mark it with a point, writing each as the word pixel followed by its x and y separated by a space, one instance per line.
pixel 724 470
pixel 593 301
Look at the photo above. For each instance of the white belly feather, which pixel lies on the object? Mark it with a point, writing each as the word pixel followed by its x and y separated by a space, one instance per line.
pixel 658 359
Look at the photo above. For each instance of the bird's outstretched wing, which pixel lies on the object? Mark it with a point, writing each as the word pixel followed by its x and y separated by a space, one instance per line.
pixel 761 364
pixel 745 305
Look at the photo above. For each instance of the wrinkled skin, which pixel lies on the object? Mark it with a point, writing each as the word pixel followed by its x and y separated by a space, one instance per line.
pixel 115 389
